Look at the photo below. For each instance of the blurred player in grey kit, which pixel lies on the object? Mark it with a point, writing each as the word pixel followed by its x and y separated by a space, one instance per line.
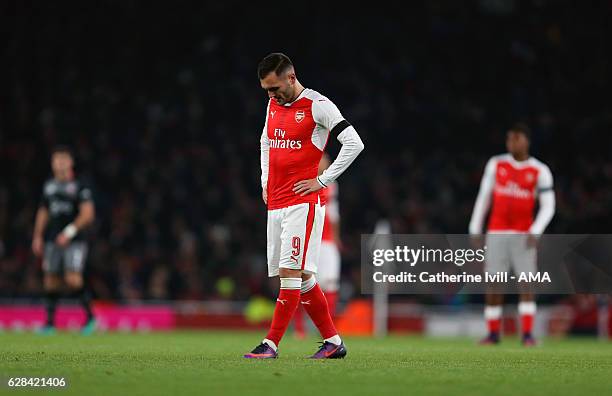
pixel 65 210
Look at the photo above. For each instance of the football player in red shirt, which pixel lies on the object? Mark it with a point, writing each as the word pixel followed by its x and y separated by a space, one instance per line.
pixel 298 123
pixel 510 185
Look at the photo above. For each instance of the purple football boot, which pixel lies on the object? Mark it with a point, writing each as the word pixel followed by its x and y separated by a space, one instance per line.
pixel 262 351
pixel 491 339
pixel 528 340
pixel 330 351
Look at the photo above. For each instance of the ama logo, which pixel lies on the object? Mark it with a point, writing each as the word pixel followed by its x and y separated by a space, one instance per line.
pixel 539 277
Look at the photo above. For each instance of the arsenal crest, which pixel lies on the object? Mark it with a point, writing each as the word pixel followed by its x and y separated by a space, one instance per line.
pixel 299 115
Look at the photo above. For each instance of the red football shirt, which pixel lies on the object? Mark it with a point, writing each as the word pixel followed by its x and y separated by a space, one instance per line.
pixel 292 142
pixel 514 186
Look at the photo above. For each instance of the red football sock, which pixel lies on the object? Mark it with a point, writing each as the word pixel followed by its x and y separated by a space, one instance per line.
pixel 526 323
pixel 527 311
pixel 494 325
pixel 298 322
pixel 316 305
pixel 332 299
pixel 286 304
pixel 493 314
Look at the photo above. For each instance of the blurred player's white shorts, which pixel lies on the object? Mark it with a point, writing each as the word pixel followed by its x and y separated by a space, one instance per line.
pixel 294 237
pixel 507 252
pixel 328 275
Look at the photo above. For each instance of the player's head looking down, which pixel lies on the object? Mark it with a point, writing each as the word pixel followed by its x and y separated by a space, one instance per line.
pixel 62 163
pixel 277 77
pixel 517 141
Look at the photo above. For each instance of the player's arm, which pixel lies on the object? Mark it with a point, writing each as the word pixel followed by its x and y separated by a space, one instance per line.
pixel 40 223
pixel 265 158
pixel 86 216
pixel 483 200
pixel 326 113
pixel 546 202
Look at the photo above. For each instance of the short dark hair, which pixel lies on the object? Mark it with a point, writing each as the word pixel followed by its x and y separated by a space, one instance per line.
pixel 63 149
pixel 276 62
pixel 521 127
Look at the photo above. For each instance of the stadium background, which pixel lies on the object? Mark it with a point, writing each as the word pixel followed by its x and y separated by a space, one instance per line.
pixel 162 106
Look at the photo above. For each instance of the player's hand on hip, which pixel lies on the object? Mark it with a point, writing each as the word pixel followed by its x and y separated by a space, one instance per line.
pixel 264 195
pixel 37 246
pixel 305 187
pixel 62 240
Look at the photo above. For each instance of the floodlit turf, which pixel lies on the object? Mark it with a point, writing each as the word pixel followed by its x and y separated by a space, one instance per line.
pixel 207 363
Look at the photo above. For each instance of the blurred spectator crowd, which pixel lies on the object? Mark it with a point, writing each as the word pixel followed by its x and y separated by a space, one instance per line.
pixel 162 107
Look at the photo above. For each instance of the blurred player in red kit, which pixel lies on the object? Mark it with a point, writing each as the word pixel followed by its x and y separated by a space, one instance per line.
pixel 298 123
pixel 328 274
pixel 510 185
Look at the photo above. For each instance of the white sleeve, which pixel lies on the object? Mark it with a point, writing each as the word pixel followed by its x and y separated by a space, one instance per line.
pixel 265 152
pixel 326 114
pixel 545 179
pixel 483 201
pixel 546 202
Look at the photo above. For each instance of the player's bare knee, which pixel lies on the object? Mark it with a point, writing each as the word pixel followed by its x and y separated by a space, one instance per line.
pixel 305 276
pixel 289 273
pixel 52 282
pixel 494 299
pixel 74 280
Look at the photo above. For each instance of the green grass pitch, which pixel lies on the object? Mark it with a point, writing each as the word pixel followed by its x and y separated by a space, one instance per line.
pixel 210 363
